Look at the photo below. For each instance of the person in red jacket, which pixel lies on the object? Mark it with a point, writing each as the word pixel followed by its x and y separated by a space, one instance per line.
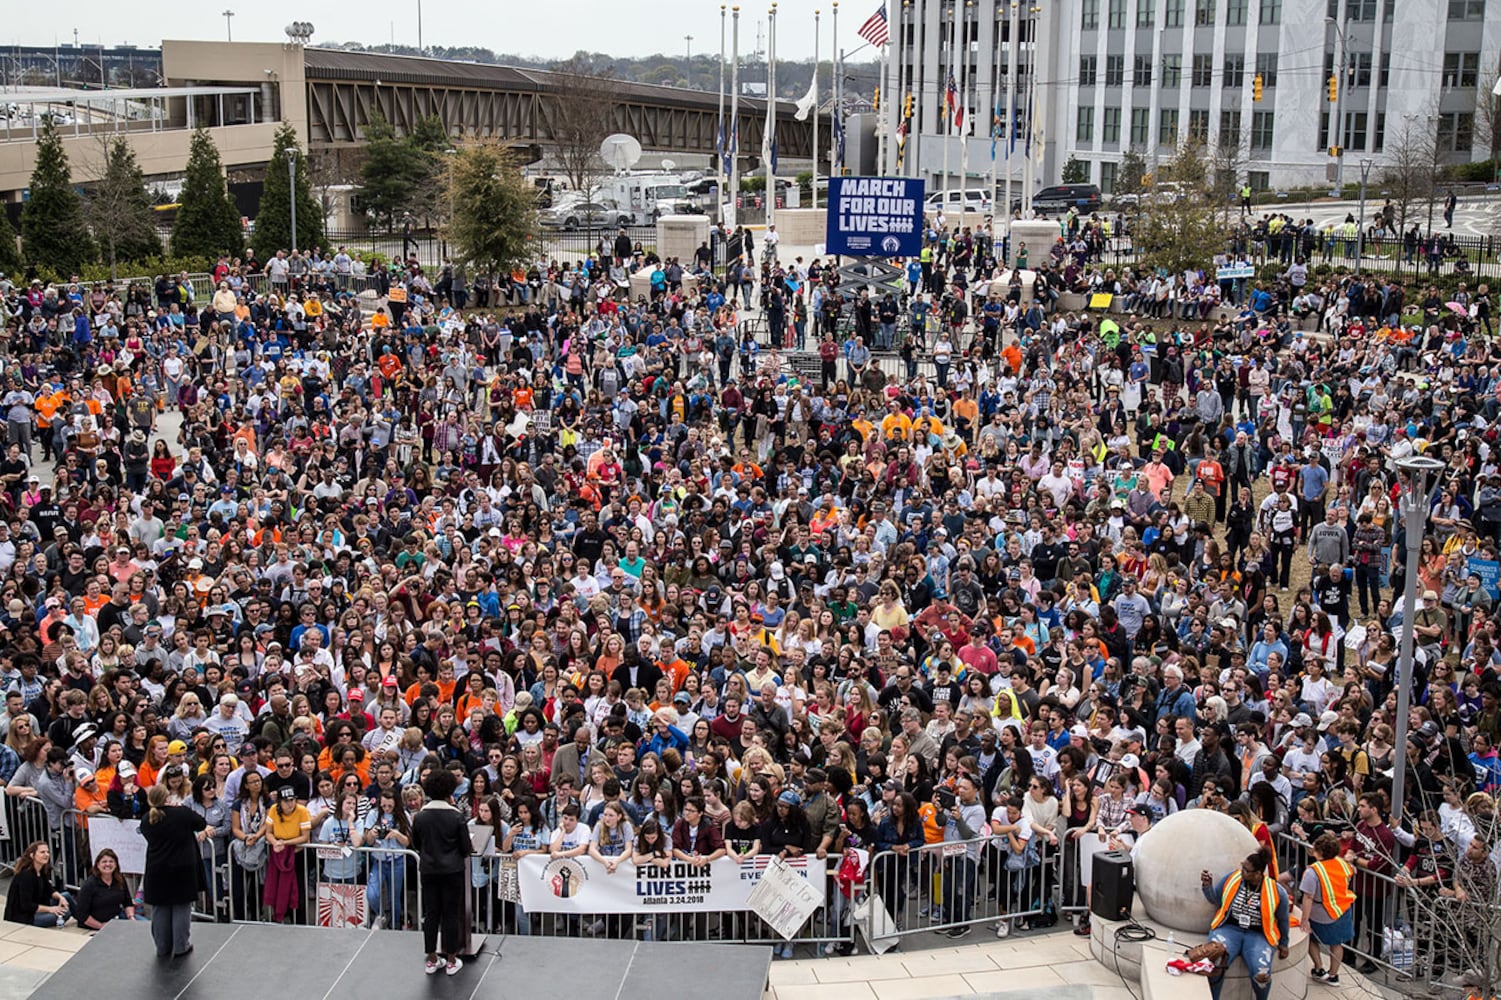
pixel 1371 852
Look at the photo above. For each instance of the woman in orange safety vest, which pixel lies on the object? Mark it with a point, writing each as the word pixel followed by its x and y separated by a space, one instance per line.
pixel 1251 921
pixel 1328 906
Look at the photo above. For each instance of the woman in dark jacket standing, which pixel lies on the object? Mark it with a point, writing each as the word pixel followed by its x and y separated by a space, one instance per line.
pixel 440 836
pixel 173 870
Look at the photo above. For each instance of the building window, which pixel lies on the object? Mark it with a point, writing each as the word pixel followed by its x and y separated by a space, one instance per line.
pixel 1107 177
pixel 1203 13
pixel 1167 127
pixel 1235 12
pixel 1323 142
pixel 1355 130
pixel 1087 67
pixel 1360 10
pixel 1141 71
pixel 1117 13
pixel 1456 132
pixel 1261 131
pixel 1230 128
pixel 1141 123
pixel 1266 68
pixel 1259 180
pixel 1203 71
pixel 1271 12
pixel 1235 72
pixel 1466 10
pixel 1172 70
pixel 1461 70
pixel 1172 14
pixel 1359 72
pixel 1110 131
pixel 1198 125
pixel 1385 76
pixel 1115 71
pixel 1084 133
pixel 1089 15
pixel 1146 13
pixel 1378 138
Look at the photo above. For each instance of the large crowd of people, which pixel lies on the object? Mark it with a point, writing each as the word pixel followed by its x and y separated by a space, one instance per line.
pixel 999 570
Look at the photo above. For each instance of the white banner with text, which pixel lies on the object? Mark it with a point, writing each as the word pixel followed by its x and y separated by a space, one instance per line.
pixel 584 886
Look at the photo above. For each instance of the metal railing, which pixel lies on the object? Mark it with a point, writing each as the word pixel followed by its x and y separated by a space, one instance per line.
pixel 1378 914
pixel 25 823
pixel 320 885
pixel 938 887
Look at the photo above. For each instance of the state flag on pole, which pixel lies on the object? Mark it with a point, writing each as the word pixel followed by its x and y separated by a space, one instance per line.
pixel 875 30
pixel 809 101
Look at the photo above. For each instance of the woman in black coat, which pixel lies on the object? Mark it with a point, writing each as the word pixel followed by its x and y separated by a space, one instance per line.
pixel 440 836
pixel 174 870
pixel 36 896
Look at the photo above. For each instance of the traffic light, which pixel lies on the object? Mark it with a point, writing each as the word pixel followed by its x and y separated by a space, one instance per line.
pixel 876 104
pixel 1333 88
pixel 1256 88
pixel 1334 151
pixel 907 107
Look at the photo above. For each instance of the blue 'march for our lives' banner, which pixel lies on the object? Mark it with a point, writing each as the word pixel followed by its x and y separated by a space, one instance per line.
pixel 875 216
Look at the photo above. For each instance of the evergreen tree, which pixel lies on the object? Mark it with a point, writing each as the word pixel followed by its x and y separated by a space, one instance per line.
pixel 495 209
pixel 120 208
pixel 207 223
pixel 273 220
pixel 10 253
pixel 401 174
pixel 53 225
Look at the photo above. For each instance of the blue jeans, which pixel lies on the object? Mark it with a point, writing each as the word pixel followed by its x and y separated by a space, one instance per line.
pixel 387 879
pixel 41 919
pixel 1253 948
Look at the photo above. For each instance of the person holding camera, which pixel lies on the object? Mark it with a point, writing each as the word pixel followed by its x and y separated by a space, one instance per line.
pixel 964 824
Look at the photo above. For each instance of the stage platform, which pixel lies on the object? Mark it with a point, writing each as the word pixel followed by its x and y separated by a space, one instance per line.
pixel 244 962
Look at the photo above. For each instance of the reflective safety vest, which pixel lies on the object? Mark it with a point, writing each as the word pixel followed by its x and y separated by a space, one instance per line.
pixel 1334 885
pixel 1268 906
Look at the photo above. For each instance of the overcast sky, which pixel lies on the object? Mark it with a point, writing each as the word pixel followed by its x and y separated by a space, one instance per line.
pixel 621 27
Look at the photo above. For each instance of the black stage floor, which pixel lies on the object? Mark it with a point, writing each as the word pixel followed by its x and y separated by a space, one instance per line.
pixel 231 962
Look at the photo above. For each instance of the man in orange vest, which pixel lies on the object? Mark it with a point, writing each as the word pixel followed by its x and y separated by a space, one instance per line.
pixel 1331 922
pixel 1251 921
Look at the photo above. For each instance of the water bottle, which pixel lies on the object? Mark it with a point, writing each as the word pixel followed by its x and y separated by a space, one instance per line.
pixel 1409 954
pixel 1386 943
pixel 1171 944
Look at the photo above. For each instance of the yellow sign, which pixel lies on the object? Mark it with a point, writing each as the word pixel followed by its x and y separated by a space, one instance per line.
pixel 1101 300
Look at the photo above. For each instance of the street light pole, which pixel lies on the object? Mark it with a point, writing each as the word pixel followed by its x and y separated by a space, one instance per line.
pixel 1365 174
pixel 229 32
pixel 688 63
pixel 1414 503
pixel 292 192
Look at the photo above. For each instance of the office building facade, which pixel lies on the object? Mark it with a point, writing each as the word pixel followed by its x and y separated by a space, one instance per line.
pixel 1119 75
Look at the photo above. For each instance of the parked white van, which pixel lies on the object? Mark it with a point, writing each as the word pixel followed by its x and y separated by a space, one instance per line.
pixel 956 200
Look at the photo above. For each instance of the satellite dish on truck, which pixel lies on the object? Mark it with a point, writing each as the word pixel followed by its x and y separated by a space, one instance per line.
pixel 620 151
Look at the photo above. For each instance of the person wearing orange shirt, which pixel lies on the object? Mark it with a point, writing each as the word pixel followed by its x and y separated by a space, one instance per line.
pixel 90 798
pixel 896 425
pixel 1212 475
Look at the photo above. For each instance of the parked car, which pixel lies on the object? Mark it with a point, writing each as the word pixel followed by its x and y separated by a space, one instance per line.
pixel 584 215
pixel 1061 197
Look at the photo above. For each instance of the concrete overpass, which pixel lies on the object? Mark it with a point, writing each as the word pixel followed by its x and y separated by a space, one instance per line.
pixel 329 96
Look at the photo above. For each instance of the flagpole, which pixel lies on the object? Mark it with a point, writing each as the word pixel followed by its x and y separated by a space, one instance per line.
pixel 769 141
pixel 964 110
pixel 948 112
pixel 1010 113
pixel 836 90
pixel 723 139
pixel 899 158
pixel 1029 179
pixel 816 17
pixel 914 132
pixel 732 140
pixel 889 93
pixel 995 109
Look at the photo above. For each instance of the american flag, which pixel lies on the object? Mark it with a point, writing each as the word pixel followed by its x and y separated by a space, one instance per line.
pixel 875 30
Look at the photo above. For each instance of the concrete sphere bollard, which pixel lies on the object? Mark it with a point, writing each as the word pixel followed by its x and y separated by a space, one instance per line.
pixel 1174 852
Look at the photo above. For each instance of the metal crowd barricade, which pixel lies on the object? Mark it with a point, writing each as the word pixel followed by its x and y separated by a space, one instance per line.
pixel 495 912
pixel 934 888
pixel 25 823
pixel 1394 908
pixel 334 886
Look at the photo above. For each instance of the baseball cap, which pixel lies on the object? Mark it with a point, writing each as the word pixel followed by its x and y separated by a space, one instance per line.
pixel 177 746
pixel 1130 761
pixel 789 798
pixel 356 694
pixel 1328 719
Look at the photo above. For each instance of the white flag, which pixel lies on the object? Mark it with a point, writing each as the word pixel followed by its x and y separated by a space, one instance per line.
pixel 809 100
pixel 1497 88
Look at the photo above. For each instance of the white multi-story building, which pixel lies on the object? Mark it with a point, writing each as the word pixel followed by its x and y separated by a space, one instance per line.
pixel 1107 76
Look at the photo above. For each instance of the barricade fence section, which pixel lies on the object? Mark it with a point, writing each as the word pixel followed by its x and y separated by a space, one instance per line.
pixel 25 823
pixel 1397 926
pixel 943 886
